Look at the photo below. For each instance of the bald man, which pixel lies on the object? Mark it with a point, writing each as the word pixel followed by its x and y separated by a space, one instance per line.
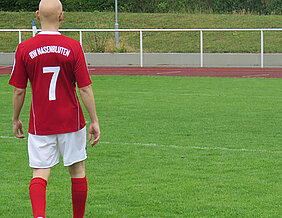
pixel 54 65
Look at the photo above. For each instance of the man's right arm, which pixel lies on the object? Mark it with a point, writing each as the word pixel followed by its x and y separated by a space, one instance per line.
pixel 18 101
pixel 88 100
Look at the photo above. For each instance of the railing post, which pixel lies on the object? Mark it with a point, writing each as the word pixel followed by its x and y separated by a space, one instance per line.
pixel 33 28
pixel 80 37
pixel 141 48
pixel 261 54
pixel 201 48
pixel 20 37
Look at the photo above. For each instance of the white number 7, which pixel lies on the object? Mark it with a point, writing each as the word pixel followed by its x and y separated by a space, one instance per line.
pixel 52 88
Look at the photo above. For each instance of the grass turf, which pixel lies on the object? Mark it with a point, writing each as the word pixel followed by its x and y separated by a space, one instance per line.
pixel 222 42
pixel 170 147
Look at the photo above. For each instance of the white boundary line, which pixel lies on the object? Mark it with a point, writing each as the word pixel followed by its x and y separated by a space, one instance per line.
pixel 9 92
pixel 8 137
pixel 191 147
pixel 177 146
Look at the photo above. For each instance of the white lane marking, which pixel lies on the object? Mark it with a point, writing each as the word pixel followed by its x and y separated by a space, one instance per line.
pixel 3 67
pixel 257 75
pixel 4 93
pixel 11 92
pixel 192 147
pixel 8 137
pixel 169 72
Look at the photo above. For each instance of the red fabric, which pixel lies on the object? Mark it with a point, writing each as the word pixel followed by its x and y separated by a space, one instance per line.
pixel 37 192
pixel 33 60
pixel 79 195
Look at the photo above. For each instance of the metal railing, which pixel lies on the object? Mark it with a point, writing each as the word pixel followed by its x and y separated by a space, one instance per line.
pixel 201 31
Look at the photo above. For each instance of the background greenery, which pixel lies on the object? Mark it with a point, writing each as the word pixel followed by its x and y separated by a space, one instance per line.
pixel 170 147
pixel 160 6
pixel 234 42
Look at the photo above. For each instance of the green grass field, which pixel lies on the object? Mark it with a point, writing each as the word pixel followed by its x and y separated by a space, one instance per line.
pixel 170 147
pixel 175 42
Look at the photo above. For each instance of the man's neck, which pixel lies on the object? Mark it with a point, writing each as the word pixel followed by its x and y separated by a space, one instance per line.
pixel 54 28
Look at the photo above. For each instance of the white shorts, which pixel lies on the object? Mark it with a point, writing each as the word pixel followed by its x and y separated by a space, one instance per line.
pixel 44 151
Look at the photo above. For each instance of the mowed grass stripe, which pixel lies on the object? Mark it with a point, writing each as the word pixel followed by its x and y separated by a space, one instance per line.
pixel 139 174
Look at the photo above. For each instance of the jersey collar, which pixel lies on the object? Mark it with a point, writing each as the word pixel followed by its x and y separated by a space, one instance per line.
pixel 49 33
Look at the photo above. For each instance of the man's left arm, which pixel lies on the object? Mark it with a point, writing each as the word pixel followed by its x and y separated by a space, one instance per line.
pixel 18 101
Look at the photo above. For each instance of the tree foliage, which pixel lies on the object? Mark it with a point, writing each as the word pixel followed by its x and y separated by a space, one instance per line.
pixel 153 6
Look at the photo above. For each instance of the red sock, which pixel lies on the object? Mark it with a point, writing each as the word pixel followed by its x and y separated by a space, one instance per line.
pixel 37 193
pixel 79 195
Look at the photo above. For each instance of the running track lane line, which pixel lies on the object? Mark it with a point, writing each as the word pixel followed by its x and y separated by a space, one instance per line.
pixel 189 72
pixel 169 72
pixel 257 75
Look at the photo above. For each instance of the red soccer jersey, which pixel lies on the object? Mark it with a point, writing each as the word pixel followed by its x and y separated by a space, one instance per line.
pixel 53 64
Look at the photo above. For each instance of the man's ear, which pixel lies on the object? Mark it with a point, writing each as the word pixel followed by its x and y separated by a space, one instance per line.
pixel 37 15
pixel 61 17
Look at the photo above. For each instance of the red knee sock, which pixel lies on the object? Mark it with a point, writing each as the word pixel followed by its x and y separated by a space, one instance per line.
pixel 79 195
pixel 37 192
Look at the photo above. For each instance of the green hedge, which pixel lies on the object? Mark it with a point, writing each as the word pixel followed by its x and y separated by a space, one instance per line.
pixel 159 6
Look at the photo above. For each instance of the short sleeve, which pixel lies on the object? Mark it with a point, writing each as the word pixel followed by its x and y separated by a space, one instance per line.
pixel 19 76
pixel 81 71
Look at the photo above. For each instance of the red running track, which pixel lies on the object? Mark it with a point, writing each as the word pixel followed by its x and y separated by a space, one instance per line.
pixel 190 72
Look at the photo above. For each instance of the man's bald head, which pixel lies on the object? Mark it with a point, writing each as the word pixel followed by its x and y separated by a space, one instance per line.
pixel 50 11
